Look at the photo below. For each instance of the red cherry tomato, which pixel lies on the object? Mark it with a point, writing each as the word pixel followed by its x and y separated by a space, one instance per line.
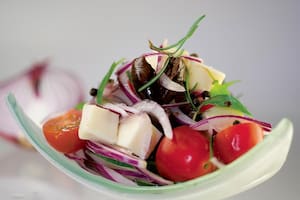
pixel 62 132
pixel 184 157
pixel 206 107
pixel 234 141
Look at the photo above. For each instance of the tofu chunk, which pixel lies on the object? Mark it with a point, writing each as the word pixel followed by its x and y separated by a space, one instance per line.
pixel 137 134
pixel 98 124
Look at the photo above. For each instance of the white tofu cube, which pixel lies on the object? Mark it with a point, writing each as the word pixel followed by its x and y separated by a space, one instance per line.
pixel 156 135
pixel 136 133
pixel 98 124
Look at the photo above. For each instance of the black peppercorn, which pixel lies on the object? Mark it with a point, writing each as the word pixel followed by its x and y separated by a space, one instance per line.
pixel 194 55
pixel 93 92
pixel 205 94
pixel 236 122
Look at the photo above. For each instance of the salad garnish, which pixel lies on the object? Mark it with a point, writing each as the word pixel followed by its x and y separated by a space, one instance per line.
pixel 105 80
pixel 171 51
pixel 166 118
pixel 227 101
pixel 180 43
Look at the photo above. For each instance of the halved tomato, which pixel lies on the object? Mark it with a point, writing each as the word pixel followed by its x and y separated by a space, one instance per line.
pixel 62 132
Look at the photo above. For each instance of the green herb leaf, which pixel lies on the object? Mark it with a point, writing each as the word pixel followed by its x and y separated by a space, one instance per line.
pixel 221 89
pixel 79 106
pixel 177 45
pixel 105 80
pixel 113 161
pixel 181 42
pixel 144 183
pixel 226 101
pixel 187 91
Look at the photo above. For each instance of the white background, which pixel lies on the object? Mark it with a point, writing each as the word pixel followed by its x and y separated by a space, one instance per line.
pixel 254 41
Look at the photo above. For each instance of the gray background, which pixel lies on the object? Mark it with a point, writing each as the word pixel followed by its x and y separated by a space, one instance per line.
pixel 254 41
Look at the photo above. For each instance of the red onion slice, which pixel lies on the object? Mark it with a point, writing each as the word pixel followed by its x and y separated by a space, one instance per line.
pixel 115 108
pixel 176 104
pixel 221 122
pixel 158 112
pixel 111 152
pixel 181 117
pixel 127 170
pixel 155 177
pixel 115 176
pixel 85 161
pixel 124 68
pixel 120 108
pixel 41 91
pixel 167 83
pixel 192 58
pixel 115 94
pixel 128 108
pixel 127 66
pixel 124 84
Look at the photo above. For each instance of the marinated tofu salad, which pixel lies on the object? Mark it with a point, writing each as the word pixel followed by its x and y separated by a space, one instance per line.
pixel 162 118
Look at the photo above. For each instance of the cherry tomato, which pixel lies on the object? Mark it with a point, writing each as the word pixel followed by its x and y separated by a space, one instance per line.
pixel 234 141
pixel 62 132
pixel 206 107
pixel 184 157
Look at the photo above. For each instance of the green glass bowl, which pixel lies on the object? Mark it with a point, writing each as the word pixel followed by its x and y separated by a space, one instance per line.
pixel 255 167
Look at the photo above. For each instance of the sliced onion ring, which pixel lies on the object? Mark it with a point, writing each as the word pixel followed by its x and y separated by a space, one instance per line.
pixel 115 108
pixel 192 58
pixel 221 122
pixel 181 117
pixel 127 170
pixel 124 68
pixel 127 88
pixel 116 154
pixel 167 83
pixel 41 91
pixel 158 112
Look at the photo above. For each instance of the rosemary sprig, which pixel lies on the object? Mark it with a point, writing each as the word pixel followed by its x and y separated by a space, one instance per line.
pixel 99 98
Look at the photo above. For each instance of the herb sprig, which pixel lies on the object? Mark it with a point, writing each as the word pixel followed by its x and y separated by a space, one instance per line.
pixel 99 97
pixel 221 89
pixel 187 91
pixel 178 45
pixel 226 101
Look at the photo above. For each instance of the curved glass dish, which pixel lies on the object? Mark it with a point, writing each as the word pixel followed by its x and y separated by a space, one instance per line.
pixel 255 167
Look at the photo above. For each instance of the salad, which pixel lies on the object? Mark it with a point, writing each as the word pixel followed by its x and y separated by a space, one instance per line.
pixel 165 117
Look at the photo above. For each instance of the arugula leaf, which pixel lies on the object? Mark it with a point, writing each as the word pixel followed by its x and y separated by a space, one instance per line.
pixel 105 80
pixel 226 101
pixel 221 89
